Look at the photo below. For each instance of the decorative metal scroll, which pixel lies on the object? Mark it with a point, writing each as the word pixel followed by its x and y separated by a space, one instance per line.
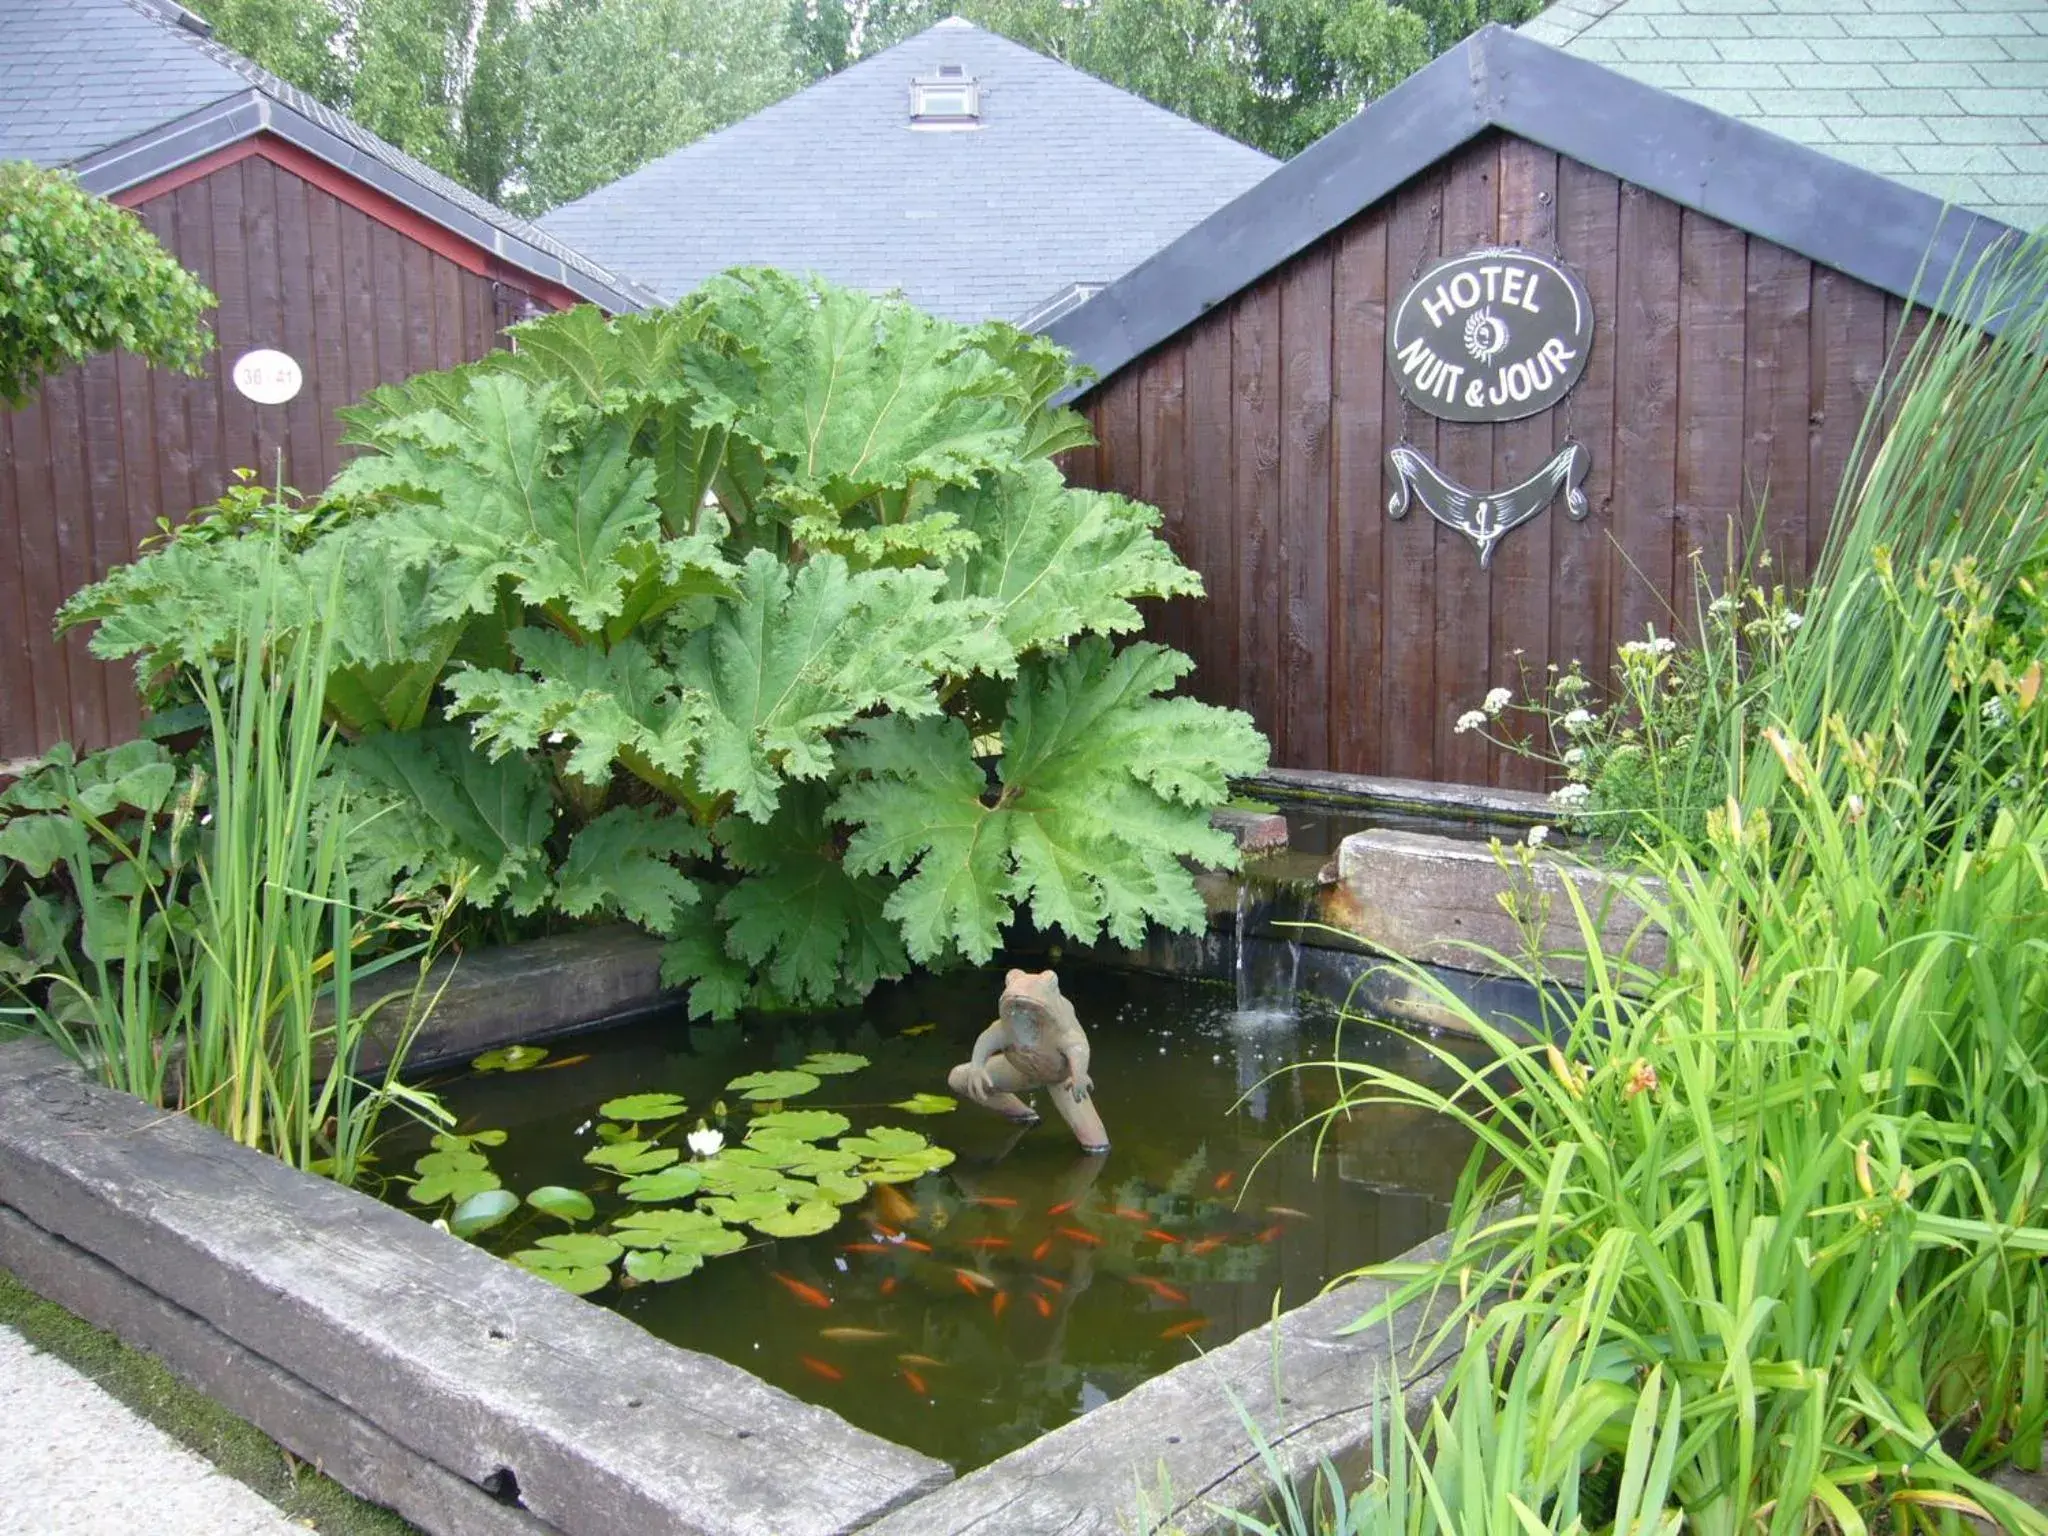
pixel 1485 517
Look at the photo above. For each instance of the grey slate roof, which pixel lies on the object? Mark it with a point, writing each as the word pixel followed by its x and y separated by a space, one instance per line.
pixel 123 90
pixel 1949 96
pixel 1067 181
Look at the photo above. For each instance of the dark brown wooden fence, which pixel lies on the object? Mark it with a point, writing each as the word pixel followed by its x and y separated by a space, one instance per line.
pixel 108 448
pixel 1726 383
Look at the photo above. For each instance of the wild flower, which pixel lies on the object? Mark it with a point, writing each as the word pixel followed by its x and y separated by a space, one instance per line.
pixel 1538 836
pixel 1995 712
pixel 1571 796
pixel 1496 700
pixel 1471 720
pixel 705 1141
pixel 1574 756
pixel 1577 719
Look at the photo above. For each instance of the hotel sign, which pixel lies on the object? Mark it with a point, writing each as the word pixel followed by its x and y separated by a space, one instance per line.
pixel 1493 335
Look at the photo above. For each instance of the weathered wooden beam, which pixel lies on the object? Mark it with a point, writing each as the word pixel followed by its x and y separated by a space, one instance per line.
pixel 470 1363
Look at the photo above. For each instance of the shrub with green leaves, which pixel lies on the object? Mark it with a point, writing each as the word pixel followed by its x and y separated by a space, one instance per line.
pixel 79 276
pixel 766 622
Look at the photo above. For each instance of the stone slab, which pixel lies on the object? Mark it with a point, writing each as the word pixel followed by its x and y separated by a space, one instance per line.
pixel 309 1424
pixel 76 1461
pixel 1254 831
pixel 470 1363
pixel 1420 797
pixel 1438 900
pixel 499 996
pixel 1180 1442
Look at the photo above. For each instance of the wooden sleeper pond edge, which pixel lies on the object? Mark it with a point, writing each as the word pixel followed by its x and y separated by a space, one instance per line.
pixel 469 1364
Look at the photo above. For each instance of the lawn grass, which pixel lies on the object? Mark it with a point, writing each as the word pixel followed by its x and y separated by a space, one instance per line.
pixel 145 1385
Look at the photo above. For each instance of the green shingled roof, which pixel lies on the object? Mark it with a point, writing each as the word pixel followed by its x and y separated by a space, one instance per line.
pixel 1949 96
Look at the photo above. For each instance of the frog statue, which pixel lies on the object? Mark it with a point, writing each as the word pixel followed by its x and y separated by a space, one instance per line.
pixel 1036 1042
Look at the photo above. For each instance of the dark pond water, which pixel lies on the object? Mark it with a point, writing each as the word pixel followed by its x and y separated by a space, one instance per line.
pixel 982 1305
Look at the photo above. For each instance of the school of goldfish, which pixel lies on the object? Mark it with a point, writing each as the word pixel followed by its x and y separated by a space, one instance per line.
pixel 993 1251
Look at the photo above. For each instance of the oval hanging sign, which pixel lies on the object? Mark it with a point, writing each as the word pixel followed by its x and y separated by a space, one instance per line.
pixel 1492 335
pixel 268 377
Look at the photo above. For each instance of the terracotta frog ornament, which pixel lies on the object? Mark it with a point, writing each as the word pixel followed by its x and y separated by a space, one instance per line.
pixel 1036 1042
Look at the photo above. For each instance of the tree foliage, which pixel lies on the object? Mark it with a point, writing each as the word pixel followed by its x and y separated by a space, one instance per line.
pixel 765 622
pixel 79 276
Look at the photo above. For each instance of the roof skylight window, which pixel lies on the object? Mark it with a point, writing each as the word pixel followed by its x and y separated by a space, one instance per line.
pixel 949 99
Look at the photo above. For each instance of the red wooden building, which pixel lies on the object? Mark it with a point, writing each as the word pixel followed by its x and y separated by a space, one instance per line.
pixel 319 240
pixel 1743 291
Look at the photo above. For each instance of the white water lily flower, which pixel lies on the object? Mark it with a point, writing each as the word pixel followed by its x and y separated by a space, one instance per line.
pixel 705 1142
pixel 1569 795
pixel 1471 720
pixel 1538 836
pixel 1496 700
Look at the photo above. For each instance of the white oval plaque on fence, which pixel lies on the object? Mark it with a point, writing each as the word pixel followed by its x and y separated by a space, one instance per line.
pixel 268 377
pixel 1492 335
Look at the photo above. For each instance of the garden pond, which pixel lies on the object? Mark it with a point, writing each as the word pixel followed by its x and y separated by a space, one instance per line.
pixel 974 1285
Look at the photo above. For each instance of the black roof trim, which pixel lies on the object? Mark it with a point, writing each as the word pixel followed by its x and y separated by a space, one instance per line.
pixel 1872 228
pixel 182 140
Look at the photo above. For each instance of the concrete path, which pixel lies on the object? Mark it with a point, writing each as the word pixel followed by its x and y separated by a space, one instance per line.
pixel 74 1462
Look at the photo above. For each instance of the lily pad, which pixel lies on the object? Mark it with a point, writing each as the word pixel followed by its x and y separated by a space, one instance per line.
pixel 753 1206
pixel 726 1175
pixel 806 1220
pixel 459 1160
pixel 457 1185
pixel 676 1229
pixel 896 1170
pixel 804 1124
pixel 842 1188
pixel 887 1141
pixel 452 1141
pixel 608 1133
pixel 631 1157
pixel 800 1157
pixel 674 1183
pixel 763 1087
pixel 642 1106
pixel 653 1266
pixel 927 1104
pixel 581 1247
pixel 511 1058
pixel 562 1204
pixel 482 1211
pixel 577 1279
pixel 892 1155
pixel 832 1063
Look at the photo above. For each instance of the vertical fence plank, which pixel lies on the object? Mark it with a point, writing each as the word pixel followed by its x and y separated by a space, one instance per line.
pixel 19 725
pixel 1708 476
pixel 1646 413
pixel 1162 472
pixel 1581 596
pixel 1464 625
pixel 1304 523
pixel 1776 402
pixel 305 459
pixel 1358 449
pixel 1520 636
pixel 105 511
pixel 1210 546
pixel 210 460
pixel 1848 353
pixel 1255 479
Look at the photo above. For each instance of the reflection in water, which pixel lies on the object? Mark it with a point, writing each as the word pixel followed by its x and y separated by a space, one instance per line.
pixel 1025 1284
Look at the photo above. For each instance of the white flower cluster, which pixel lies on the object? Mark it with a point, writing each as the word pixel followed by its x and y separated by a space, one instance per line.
pixel 1571 796
pixel 1496 700
pixel 1538 836
pixel 1995 712
pixel 1577 719
pixel 1471 720
pixel 1574 756
pixel 1648 650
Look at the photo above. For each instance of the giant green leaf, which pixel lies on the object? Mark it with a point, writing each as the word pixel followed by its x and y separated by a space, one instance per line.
pixel 623 862
pixel 795 655
pixel 1101 802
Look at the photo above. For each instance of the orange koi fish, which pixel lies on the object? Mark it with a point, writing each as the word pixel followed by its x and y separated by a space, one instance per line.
pixel 1271 1232
pixel 888 1284
pixel 865 1248
pixel 820 1369
pixel 566 1061
pixel 1182 1330
pixel 916 1384
pixel 1038 1254
pixel 894 1205
pixel 1289 1211
pixel 1161 1289
pixel 990 1243
pixel 1000 1303
pixel 1044 1306
pixel 1158 1236
pixel 1061 1209
pixel 925 1361
pixel 1049 1283
pixel 1206 1245
pixel 1129 1215
pixel 1223 1182
pixel 972 1282
pixel 809 1295
pixel 883 1229
pixel 913 1245
pixel 996 1202
pixel 853 1335
pixel 1076 1234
